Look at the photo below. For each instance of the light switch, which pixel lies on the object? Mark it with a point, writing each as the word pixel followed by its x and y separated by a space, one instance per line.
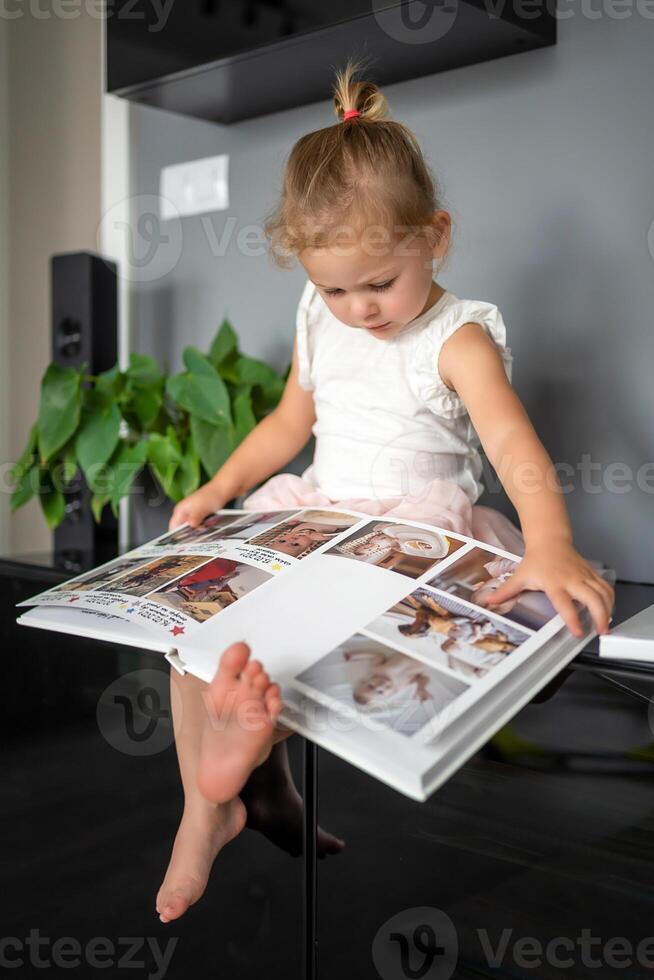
pixel 194 187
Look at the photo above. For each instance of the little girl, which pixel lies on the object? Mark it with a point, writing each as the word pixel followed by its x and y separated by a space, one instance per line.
pixel 399 380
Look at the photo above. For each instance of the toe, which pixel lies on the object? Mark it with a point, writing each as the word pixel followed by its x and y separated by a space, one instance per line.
pixel 234 659
pixel 252 669
pixel 261 681
pixel 273 700
pixel 172 908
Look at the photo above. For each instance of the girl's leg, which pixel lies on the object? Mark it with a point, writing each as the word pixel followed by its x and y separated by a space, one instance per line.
pixel 205 827
pixel 241 710
pixel 243 752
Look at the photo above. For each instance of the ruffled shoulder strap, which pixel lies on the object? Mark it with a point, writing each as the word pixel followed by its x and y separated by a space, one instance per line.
pixel 305 323
pixel 430 387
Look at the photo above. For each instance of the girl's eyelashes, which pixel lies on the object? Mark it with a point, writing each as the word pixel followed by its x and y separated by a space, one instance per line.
pixel 378 288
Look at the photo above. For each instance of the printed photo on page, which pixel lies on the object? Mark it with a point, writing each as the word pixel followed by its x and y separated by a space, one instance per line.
pixel 478 573
pixel 305 532
pixel 465 641
pixel 400 548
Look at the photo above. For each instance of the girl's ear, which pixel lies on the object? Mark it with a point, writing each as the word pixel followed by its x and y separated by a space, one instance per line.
pixel 441 231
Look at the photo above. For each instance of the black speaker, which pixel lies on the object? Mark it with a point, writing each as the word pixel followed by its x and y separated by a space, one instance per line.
pixel 84 303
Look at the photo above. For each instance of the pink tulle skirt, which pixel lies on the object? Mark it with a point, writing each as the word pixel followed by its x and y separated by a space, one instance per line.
pixel 440 502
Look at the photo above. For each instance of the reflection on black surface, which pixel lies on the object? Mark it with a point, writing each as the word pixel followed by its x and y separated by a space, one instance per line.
pixel 87 828
pixel 544 834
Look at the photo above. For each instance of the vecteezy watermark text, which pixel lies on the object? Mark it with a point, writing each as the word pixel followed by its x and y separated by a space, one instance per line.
pixel 99 953
pixel 423 943
pixel 155 12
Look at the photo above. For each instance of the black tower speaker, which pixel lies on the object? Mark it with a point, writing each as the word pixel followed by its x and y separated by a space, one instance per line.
pixel 84 302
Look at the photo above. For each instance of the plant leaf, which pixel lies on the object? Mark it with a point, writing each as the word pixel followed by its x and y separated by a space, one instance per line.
pixel 200 390
pixel 146 403
pixel 244 419
pixel 110 382
pixel 164 458
pixel 188 474
pixel 143 371
pixel 255 373
pixel 97 437
pixel 187 477
pixel 213 443
pixel 25 488
pixel 52 501
pixel 69 462
pixel 98 502
pixel 59 409
pixel 123 467
pixel 224 343
pixel 227 370
pixel 27 458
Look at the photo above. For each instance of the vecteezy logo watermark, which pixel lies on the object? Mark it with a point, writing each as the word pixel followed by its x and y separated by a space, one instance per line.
pixel 566 952
pixel 399 468
pixel 151 246
pixel 416 23
pixel 416 944
pixel 422 944
pixel 134 713
pixel 66 952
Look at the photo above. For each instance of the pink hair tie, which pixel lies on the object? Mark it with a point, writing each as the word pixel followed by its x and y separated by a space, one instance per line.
pixel 350 114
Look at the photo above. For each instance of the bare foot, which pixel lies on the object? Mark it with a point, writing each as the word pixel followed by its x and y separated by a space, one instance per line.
pixel 199 839
pixel 237 737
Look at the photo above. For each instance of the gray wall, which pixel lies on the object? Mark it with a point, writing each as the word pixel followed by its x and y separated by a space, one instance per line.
pixel 546 162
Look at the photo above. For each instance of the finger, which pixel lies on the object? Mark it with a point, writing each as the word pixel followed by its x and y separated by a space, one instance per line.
pixel 607 595
pixel 607 590
pixel 598 580
pixel 566 609
pixel 594 602
pixel 179 516
pixel 511 587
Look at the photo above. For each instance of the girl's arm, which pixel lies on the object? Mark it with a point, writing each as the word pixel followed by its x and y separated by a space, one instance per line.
pixel 470 364
pixel 275 441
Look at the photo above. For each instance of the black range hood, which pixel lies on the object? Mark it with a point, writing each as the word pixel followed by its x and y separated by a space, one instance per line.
pixel 229 60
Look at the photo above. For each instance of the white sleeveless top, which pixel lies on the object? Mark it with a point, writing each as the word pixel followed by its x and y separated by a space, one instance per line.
pixel 386 423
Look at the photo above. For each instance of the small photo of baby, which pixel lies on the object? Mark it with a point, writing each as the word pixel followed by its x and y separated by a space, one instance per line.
pixel 397 691
pixel 400 548
pixel 100 576
pixel 478 573
pixel 203 532
pixel 451 635
pixel 211 588
pixel 307 531
pixel 248 525
pixel 153 574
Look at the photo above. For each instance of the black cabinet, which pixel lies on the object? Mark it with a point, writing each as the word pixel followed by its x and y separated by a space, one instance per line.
pixel 228 60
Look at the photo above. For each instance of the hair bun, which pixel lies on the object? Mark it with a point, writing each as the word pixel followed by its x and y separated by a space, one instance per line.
pixel 364 97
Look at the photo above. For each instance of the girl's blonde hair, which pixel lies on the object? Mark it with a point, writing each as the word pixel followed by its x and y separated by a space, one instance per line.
pixel 361 176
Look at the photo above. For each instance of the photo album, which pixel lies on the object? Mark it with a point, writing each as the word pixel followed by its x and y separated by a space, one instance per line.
pixel 376 629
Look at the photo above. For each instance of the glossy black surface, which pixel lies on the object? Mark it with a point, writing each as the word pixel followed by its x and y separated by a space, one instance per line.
pixel 544 834
pixel 231 61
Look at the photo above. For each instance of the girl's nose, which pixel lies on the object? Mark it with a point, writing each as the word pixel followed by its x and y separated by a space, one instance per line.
pixel 365 313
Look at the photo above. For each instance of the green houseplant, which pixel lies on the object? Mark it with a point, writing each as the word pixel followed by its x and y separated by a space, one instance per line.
pixel 106 428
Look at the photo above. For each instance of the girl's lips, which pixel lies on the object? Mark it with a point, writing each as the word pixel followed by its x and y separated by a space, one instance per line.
pixel 379 326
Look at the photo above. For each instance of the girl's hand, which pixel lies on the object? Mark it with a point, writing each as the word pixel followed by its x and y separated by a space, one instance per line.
pixel 194 508
pixel 559 571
